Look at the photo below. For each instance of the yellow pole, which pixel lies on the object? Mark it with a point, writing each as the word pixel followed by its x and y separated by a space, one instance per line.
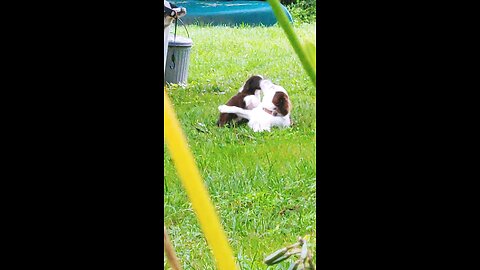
pixel 195 188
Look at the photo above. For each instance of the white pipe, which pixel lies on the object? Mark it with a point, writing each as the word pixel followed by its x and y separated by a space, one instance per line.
pixel 167 21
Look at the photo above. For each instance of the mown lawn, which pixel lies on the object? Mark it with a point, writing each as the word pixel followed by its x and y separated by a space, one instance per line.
pixel 262 184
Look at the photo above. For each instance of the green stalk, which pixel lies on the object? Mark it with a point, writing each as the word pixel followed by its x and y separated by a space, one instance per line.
pixel 292 37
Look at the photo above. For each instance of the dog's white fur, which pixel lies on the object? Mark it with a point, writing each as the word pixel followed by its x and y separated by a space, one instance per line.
pixel 251 101
pixel 258 119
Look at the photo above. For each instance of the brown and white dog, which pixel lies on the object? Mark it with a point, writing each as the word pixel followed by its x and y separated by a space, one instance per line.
pixel 273 110
pixel 248 97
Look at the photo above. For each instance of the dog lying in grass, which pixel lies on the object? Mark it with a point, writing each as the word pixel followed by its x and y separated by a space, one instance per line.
pixel 248 97
pixel 273 110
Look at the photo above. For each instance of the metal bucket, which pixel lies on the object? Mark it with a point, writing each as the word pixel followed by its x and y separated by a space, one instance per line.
pixel 178 59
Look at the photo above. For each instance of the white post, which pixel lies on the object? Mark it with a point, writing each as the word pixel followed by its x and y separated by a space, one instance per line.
pixel 166 29
pixel 167 21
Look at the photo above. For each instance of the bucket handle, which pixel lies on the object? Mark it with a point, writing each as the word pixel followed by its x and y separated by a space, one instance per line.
pixel 172 66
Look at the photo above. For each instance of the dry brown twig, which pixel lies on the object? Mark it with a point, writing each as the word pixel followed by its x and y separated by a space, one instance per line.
pixel 170 252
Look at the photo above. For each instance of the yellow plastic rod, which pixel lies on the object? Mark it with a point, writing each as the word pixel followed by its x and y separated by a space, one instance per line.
pixel 195 188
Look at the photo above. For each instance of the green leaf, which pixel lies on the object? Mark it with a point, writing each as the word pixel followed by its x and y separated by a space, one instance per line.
pixel 294 41
pixel 311 52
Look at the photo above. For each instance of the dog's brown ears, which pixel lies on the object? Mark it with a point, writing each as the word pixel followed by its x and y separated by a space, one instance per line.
pixel 252 84
pixel 282 102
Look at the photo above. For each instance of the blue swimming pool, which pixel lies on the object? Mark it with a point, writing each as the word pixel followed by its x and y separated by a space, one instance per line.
pixel 229 12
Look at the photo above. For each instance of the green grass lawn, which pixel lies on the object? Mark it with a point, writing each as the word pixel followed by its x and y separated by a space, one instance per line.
pixel 262 184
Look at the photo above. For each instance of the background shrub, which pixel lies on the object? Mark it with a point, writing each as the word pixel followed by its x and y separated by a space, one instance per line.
pixel 303 11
